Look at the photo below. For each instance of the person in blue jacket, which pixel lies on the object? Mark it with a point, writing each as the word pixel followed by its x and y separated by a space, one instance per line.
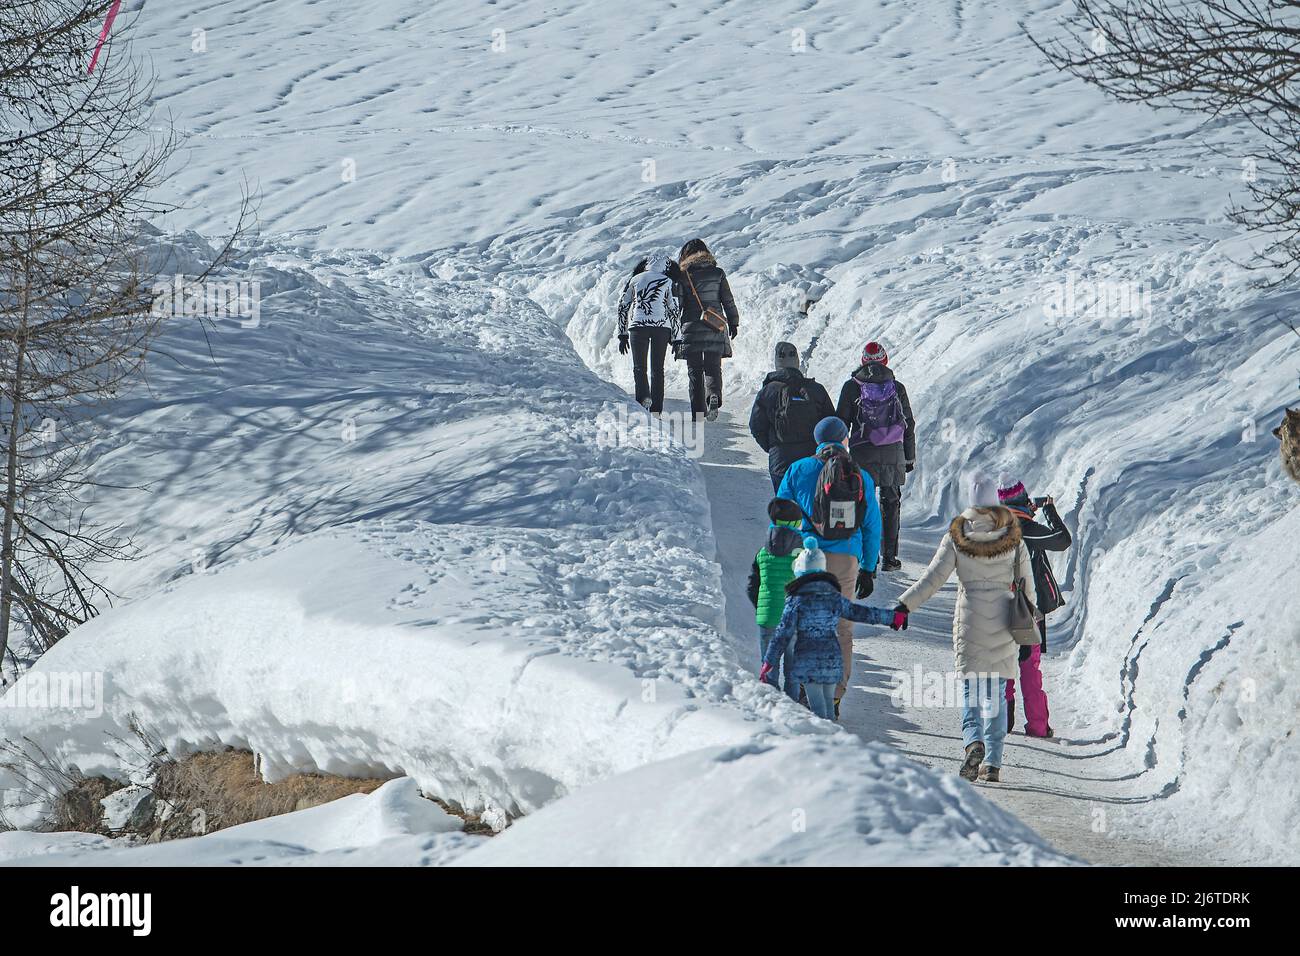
pixel 852 561
pixel 814 608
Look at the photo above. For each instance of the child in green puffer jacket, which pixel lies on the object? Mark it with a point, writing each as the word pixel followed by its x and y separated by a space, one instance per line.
pixel 773 569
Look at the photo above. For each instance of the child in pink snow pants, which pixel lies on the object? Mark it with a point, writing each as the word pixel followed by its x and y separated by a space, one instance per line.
pixel 1031 689
pixel 1039 539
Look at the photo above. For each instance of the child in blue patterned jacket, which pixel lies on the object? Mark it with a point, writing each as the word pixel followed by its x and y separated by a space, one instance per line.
pixel 813 608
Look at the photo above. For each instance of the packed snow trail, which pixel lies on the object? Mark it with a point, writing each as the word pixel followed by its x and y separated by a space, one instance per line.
pixel 1082 796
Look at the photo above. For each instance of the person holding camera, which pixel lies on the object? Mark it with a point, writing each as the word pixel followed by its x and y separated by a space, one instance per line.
pixel 1039 538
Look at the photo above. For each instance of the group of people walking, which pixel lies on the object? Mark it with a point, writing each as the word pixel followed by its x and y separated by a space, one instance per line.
pixel 872 403
pixel 838 471
pixel 686 305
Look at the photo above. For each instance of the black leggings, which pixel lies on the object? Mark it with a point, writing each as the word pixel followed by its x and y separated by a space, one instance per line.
pixel 891 500
pixel 704 375
pixel 649 345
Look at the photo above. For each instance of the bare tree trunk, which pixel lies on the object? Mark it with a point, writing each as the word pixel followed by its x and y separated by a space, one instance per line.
pixel 80 156
pixel 11 458
pixel 11 499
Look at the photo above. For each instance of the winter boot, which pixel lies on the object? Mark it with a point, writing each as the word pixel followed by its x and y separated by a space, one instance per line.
pixel 970 767
pixel 990 775
pixel 712 413
pixel 892 564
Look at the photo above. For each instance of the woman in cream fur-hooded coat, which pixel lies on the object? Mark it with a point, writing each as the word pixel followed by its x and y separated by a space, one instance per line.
pixel 982 545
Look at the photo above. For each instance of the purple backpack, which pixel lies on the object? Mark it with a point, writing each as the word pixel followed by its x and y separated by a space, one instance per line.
pixel 880 415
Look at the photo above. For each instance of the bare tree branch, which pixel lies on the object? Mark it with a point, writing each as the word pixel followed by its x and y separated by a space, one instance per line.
pixel 1237 59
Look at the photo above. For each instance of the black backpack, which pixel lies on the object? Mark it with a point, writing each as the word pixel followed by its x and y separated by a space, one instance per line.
pixel 840 503
pixel 796 415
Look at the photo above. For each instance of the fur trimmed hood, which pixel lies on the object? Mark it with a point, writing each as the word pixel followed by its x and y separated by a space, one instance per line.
pixel 697 259
pixel 985 532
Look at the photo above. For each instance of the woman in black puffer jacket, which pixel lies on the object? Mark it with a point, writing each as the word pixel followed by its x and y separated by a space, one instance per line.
pixel 703 344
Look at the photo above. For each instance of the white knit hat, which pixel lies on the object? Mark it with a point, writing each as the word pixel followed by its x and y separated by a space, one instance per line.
pixel 983 491
pixel 811 559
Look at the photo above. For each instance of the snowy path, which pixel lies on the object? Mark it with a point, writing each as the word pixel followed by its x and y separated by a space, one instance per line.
pixel 1086 797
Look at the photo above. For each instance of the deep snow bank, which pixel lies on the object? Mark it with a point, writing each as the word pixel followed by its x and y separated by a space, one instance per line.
pixel 825 801
pixel 373 397
pixel 448 654
pixel 771 803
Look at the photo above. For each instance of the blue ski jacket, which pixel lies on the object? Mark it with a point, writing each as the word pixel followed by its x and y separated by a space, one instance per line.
pixel 800 485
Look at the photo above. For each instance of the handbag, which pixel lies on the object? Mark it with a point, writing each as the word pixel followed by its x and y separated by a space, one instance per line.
pixel 1024 615
pixel 709 317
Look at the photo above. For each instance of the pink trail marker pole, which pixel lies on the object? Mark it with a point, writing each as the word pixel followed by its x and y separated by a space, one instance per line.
pixel 108 25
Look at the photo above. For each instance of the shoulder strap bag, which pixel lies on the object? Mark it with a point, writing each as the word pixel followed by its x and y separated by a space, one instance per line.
pixel 708 316
pixel 1024 615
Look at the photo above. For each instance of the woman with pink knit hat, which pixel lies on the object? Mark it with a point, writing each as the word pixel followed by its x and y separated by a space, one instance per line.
pixel 1039 539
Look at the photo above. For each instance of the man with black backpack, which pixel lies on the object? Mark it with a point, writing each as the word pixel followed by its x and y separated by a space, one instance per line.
pixel 786 410
pixel 882 438
pixel 838 500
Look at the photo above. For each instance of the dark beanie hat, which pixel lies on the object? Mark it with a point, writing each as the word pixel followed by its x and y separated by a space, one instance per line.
pixel 783 509
pixel 830 428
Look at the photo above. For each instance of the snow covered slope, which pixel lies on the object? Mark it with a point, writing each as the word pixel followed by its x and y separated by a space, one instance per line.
pixel 915 164
pixel 406 126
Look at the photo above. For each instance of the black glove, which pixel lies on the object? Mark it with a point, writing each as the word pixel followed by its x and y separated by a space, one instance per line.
pixel 677 350
pixel 735 330
pixel 910 466
pixel 866 584
pixel 622 345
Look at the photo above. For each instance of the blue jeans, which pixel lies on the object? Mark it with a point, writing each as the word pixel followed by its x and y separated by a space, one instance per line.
pixel 984 715
pixel 789 684
pixel 821 699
